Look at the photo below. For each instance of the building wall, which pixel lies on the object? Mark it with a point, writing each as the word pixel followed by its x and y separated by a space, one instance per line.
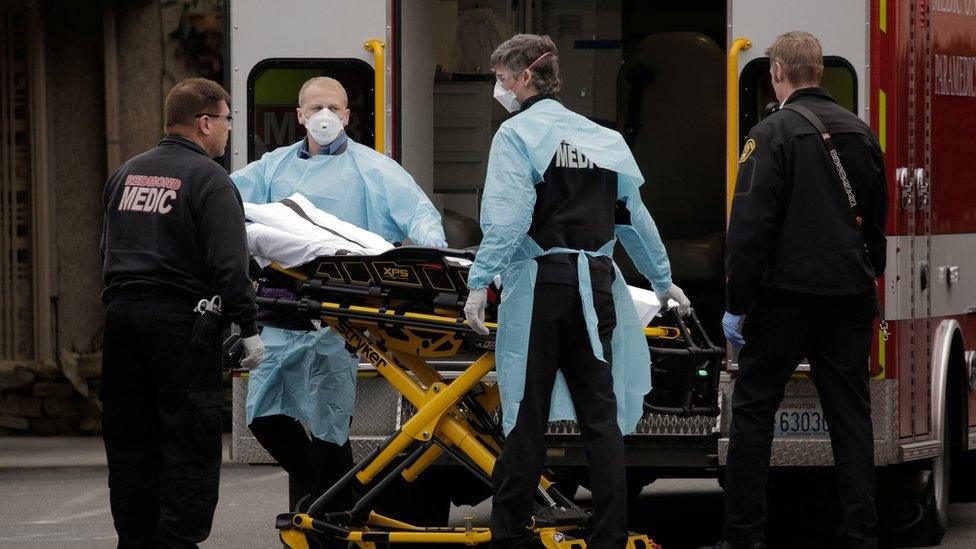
pixel 39 397
pixel 76 171
pixel 140 62
pixel 44 398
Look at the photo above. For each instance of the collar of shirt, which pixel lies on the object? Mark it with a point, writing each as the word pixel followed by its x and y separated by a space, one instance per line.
pixel 800 93
pixel 176 139
pixel 783 102
pixel 336 147
pixel 535 99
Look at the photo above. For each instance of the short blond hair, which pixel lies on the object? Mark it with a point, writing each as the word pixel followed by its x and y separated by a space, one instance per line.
pixel 801 56
pixel 325 82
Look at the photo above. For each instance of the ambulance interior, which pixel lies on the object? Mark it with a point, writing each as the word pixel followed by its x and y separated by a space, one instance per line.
pixel 655 71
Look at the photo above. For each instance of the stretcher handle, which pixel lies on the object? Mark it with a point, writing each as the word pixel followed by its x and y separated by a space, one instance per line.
pixel 232 351
pixel 317 310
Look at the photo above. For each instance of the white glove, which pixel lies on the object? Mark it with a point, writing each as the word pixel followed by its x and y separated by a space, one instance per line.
pixel 253 352
pixel 474 310
pixel 675 293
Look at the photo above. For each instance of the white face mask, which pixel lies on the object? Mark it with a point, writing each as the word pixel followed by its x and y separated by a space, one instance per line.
pixel 506 98
pixel 324 126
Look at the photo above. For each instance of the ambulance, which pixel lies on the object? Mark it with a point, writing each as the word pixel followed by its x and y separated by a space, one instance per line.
pixel 683 82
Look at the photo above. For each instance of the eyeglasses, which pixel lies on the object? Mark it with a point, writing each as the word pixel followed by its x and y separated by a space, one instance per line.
pixel 226 117
pixel 503 76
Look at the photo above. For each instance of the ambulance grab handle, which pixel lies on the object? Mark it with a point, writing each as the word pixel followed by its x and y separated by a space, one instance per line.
pixel 379 91
pixel 732 108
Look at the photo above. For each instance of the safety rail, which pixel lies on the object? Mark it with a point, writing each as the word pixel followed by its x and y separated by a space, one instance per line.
pixel 378 48
pixel 732 105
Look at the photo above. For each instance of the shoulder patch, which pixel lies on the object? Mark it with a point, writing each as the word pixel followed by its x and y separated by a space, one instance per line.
pixel 747 150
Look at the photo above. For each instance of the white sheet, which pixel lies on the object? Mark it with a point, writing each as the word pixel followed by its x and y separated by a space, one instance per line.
pixel 646 303
pixel 277 233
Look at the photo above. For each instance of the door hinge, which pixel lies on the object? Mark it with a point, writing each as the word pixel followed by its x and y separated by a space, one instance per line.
pixel 921 187
pixel 906 186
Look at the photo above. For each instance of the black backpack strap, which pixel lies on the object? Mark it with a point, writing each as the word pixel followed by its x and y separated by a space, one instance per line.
pixel 298 209
pixel 833 157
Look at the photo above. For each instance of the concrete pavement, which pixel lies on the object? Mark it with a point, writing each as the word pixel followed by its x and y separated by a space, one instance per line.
pixel 54 494
pixel 17 452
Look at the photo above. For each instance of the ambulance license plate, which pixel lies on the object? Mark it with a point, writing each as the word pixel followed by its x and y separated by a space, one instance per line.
pixel 800 416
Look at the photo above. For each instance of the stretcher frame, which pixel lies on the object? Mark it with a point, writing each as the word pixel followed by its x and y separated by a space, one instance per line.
pixel 454 418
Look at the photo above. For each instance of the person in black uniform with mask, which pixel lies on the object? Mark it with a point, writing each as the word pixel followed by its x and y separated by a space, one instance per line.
pixel 805 243
pixel 173 235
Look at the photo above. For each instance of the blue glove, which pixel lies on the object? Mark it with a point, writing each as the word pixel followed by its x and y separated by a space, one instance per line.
pixel 732 326
pixel 437 244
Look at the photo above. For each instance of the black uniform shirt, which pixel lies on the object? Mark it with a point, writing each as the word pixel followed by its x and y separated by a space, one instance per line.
pixel 791 227
pixel 575 208
pixel 174 227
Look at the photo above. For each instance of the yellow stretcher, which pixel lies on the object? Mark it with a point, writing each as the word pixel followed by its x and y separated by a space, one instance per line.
pixel 396 311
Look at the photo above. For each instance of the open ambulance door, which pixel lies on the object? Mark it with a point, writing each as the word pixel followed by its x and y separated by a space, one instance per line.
pixel 274 48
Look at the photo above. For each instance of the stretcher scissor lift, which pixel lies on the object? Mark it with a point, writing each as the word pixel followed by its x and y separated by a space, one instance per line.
pixel 398 309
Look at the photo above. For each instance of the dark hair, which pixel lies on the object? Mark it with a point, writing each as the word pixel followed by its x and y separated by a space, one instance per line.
pixel 521 50
pixel 191 97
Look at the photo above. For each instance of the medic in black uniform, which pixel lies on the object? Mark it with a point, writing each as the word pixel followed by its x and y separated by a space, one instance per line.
pixel 801 263
pixel 173 235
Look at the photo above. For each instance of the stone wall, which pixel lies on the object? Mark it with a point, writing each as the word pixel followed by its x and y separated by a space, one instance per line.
pixel 45 401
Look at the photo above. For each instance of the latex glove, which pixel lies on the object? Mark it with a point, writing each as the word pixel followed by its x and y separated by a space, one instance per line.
pixel 675 293
pixel 474 310
pixel 253 352
pixel 732 326
pixel 437 244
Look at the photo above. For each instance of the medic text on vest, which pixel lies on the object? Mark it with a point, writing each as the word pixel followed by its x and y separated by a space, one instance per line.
pixel 568 157
pixel 149 193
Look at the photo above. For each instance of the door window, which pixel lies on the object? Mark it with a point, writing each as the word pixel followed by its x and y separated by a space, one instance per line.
pixel 272 96
pixel 756 89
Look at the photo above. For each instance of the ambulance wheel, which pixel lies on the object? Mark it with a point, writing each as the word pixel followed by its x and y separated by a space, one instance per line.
pixel 924 516
pixel 937 509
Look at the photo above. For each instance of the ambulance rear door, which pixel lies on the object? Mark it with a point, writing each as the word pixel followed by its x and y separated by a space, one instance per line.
pixel 276 46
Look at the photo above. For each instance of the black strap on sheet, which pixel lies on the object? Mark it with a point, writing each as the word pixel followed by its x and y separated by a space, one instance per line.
pixel 298 209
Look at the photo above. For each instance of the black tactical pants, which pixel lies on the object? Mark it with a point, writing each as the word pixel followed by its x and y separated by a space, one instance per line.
pixel 834 334
pixel 161 422
pixel 558 341
pixel 315 464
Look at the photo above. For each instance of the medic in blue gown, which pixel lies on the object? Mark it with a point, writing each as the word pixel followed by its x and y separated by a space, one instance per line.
pixel 559 191
pixel 311 377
